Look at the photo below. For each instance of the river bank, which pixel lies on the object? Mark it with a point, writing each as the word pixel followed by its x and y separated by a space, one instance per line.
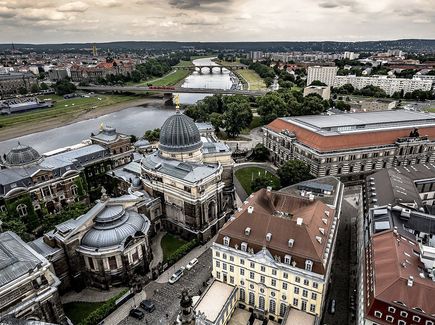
pixel 58 121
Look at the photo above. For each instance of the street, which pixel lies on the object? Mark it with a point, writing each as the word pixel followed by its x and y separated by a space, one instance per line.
pixel 344 264
pixel 166 297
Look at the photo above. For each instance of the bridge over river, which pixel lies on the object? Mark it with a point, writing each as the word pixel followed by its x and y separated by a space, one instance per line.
pixel 212 68
pixel 171 90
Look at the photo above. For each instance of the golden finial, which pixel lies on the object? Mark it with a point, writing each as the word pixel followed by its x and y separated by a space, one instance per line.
pixel 177 103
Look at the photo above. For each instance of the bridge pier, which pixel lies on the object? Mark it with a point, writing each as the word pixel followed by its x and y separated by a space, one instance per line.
pixel 211 69
pixel 222 69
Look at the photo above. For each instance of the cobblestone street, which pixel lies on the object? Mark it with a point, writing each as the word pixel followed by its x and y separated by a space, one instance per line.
pixel 166 297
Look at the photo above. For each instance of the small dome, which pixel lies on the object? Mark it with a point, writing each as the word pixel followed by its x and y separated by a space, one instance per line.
pixel 179 133
pixel 21 155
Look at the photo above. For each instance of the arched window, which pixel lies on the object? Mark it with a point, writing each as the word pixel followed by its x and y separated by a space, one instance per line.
pixel 22 210
pixel 272 306
pixel 242 294
pixel 74 190
pixel 261 303
pixel 308 265
pixel 282 309
pixel 251 299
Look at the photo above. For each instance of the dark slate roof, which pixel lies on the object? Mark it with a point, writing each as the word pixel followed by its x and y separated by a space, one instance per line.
pixel 179 133
pixel 16 258
pixel 112 227
pixel 187 171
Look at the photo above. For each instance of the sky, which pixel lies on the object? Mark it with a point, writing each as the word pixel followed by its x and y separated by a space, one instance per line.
pixel 62 21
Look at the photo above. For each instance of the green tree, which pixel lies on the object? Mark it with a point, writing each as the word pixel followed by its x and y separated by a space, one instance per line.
pixel 271 106
pixel 260 153
pixel 22 91
pixel 152 135
pixel 342 106
pixel 260 182
pixel 64 87
pixel 293 171
pixel 237 116
pixel 317 83
pixel 216 120
pixel 34 88
pixel 44 86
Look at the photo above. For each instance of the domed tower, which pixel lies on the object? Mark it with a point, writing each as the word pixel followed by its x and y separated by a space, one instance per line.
pixel 21 156
pixel 180 139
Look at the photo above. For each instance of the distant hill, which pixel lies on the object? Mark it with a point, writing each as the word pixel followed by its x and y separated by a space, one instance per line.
pixel 409 45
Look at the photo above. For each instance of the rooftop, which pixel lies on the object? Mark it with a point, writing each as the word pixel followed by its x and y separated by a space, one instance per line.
pixel 213 301
pixel 16 258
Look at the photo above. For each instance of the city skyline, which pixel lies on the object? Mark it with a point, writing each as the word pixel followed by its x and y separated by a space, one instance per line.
pixel 48 21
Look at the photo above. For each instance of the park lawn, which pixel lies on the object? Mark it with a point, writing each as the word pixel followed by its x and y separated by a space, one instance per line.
pixel 185 64
pixel 171 79
pixel 78 311
pixel 65 109
pixel 255 82
pixel 170 244
pixel 246 175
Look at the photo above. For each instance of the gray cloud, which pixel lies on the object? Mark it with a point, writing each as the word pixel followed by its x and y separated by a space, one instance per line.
pixel 200 4
pixel 77 6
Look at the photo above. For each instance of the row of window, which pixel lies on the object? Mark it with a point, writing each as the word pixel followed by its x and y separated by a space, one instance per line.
pixel 404 314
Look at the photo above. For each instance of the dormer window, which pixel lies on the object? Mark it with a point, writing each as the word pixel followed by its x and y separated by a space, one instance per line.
pixel 308 265
pixel 247 231
pixel 291 242
pixel 227 241
pixel 268 236
pixel 287 259
pixel 244 247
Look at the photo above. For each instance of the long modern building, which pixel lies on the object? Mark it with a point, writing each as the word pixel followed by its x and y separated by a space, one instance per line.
pixel 12 83
pixel 352 145
pixel 277 252
pixel 323 74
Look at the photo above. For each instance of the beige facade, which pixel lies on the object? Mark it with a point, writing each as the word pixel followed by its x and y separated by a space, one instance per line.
pixel 322 91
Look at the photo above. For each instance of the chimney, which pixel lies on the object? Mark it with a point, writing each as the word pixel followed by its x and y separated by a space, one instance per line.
pixel 410 281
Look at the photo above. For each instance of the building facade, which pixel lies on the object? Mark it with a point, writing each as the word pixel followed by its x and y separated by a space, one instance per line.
pixel 352 145
pixel 323 74
pixel 101 70
pixel 28 285
pixel 188 176
pixel 278 249
pixel 12 83
pixel 322 91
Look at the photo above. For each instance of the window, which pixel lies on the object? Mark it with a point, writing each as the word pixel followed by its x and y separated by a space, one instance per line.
pixel 22 210
pixel 282 309
pixel 263 269
pixel 313 295
pixel 74 190
pixel 231 279
pixel 231 258
pixel 244 246
pixel 272 306
pixel 391 309
pixel 224 256
pixel 262 279
pixel 378 314
pixel 252 265
pixel 304 305
pixel 112 263
pixel 315 285
pixel 273 272
pixel 285 275
pixel 284 285
pixel 251 299
pixel 287 259
pixel 261 303
pixel 308 265
pixel 91 263
pixel 217 254
pixel 227 241
pixel 429 322
pixel 242 294
pixel 298 279
pixel 403 314
pixel 296 290
pixel 416 318
pixel 305 293
pixel 312 308
pixel 273 282
pixel 401 322
pixel 306 282
pixel 218 275
pixel 242 271
pixel 224 266
pixel 252 275
pixel 231 268
pixel 295 302
pixel 242 262
pixel 389 318
pixel 218 264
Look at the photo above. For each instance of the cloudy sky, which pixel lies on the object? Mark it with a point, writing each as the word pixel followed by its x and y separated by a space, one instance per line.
pixel 44 21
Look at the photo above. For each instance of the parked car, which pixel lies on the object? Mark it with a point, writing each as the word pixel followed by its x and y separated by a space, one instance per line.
pixel 147 305
pixel 332 307
pixel 176 276
pixel 191 264
pixel 137 313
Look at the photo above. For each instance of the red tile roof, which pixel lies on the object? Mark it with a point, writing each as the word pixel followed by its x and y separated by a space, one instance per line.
pixel 325 143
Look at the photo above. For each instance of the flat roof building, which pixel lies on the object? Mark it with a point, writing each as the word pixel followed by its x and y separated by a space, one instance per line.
pixel 351 145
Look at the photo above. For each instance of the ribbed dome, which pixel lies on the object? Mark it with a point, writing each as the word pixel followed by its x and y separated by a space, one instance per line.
pixel 112 226
pixel 179 133
pixel 21 155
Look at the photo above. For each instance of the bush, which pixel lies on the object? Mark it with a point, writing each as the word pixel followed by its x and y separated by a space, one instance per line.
pixel 181 251
pixel 103 311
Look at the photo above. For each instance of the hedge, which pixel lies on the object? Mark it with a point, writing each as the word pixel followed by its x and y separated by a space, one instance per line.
pixel 103 311
pixel 181 251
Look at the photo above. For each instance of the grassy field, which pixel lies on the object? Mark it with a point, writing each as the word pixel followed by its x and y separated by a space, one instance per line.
pixel 255 82
pixel 170 244
pixel 171 79
pixel 185 64
pixel 63 108
pixel 77 311
pixel 246 175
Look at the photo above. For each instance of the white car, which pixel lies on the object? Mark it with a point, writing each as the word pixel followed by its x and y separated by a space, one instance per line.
pixel 176 276
pixel 191 264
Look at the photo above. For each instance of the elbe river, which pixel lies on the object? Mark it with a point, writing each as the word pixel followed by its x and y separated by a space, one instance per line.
pixel 133 120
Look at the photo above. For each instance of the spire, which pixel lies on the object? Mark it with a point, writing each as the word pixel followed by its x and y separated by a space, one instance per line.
pixel 177 103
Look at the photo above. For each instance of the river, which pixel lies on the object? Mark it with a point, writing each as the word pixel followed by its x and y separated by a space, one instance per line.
pixel 133 120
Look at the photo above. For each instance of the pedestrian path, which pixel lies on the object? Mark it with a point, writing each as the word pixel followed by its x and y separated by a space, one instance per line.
pixel 157 250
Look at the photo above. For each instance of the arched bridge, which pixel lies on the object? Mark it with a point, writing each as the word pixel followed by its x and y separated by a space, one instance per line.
pixel 170 90
pixel 211 68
